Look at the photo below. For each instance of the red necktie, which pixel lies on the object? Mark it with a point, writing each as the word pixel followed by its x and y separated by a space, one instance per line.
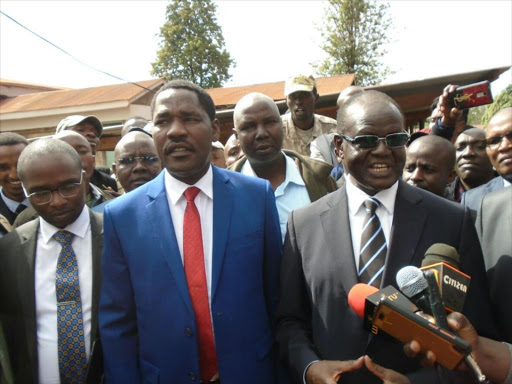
pixel 193 260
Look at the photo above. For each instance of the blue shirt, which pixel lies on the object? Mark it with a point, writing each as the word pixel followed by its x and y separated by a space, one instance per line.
pixel 290 195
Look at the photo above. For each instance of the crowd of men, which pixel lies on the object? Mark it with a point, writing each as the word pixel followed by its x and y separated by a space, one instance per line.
pixel 176 270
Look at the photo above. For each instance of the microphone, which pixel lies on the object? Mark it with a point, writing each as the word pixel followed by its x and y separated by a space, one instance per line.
pixel 413 284
pixel 443 261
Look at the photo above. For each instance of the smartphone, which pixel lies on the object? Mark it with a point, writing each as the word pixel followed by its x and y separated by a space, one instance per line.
pixel 405 326
pixel 472 95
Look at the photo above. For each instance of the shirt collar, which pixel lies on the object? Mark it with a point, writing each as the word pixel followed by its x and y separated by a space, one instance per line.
pixel 78 227
pixel 13 204
pixel 356 197
pixel 175 188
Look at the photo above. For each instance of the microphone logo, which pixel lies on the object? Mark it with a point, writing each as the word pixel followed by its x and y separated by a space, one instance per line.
pixel 454 283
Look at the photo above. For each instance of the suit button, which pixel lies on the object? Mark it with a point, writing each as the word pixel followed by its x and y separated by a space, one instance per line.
pixel 192 376
pixel 188 332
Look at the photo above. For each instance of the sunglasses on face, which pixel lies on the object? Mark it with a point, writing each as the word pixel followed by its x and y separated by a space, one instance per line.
pixel 393 140
pixel 130 160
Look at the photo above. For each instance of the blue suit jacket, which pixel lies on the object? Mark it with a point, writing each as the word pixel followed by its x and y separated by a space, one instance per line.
pixel 146 318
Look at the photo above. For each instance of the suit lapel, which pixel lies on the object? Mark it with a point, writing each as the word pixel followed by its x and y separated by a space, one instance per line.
pixel 164 236
pixel 339 239
pixel 26 289
pixel 222 207
pixel 97 246
pixel 408 221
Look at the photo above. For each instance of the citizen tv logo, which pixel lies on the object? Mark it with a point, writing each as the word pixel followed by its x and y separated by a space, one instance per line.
pixel 454 283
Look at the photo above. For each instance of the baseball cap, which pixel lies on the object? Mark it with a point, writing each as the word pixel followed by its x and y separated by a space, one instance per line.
pixel 299 83
pixel 73 120
pixel 218 145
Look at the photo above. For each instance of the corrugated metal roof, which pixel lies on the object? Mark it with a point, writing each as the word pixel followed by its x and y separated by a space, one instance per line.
pixel 76 97
pixel 22 84
pixel 226 97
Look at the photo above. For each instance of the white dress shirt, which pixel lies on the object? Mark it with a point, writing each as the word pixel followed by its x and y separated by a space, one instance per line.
pixel 175 190
pixel 47 254
pixel 13 204
pixel 357 212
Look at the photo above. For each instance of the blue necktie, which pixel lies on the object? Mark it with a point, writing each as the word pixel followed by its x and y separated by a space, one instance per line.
pixel 372 254
pixel 71 339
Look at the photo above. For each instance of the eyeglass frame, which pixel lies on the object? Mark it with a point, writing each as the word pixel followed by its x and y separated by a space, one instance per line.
pixel 142 159
pixel 77 185
pixel 494 146
pixel 351 140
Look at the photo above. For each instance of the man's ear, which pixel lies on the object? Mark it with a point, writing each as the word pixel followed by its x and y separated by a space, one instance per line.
pixel 452 176
pixel 215 130
pixel 114 169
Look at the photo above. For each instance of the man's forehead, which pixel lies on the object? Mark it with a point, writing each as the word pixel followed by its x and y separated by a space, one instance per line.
pixel 361 113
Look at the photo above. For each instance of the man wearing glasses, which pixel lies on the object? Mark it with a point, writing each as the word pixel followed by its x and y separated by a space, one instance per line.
pixel 136 160
pixel 364 233
pixel 498 136
pixel 50 271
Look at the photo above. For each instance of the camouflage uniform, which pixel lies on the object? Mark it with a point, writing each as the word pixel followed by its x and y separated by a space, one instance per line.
pixel 299 141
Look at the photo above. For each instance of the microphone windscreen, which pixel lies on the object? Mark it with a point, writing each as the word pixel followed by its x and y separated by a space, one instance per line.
pixel 411 281
pixel 441 253
pixel 357 297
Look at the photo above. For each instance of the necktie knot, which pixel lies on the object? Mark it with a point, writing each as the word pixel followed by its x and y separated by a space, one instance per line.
pixel 191 193
pixel 371 205
pixel 64 238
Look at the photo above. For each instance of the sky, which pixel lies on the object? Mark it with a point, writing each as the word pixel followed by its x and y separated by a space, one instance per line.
pixel 270 40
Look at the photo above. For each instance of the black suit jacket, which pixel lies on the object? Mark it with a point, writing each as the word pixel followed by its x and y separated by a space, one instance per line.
pixel 318 271
pixel 17 294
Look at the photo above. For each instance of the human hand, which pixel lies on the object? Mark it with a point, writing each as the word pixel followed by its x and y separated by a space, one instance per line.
pixel 448 115
pixel 388 376
pixel 329 371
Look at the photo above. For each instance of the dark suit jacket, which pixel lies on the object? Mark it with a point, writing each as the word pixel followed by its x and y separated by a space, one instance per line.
pixel 18 250
pixel 494 227
pixel 147 322
pixel 315 321
pixel 473 197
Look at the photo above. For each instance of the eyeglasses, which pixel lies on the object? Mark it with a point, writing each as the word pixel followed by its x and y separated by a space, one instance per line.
pixel 66 191
pixel 495 141
pixel 130 160
pixel 393 140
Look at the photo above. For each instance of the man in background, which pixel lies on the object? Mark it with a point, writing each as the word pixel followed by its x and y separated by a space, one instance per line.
pixel 429 164
pixel 91 128
pixel 301 126
pixel 232 150
pixel 217 155
pixel 12 199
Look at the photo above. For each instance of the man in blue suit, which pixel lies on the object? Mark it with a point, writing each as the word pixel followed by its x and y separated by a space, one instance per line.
pixel 191 261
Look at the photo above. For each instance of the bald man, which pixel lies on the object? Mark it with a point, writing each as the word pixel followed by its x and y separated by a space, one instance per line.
pixel 472 164
pixel 348 93
pixel 135 123
pixel 136 160
pixel 498 136
pixel 429 164
pixel 296 179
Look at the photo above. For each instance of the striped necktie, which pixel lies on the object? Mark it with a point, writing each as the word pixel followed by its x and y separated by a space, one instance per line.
pixel 71 339
pixel 372 254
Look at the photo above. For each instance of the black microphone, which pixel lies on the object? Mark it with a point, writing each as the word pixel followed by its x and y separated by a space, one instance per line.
pixel 443 261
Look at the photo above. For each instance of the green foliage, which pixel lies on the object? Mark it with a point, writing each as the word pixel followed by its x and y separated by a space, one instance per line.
pixel 192 45
pixel 503 100
pixel 354 34
pixel 475 115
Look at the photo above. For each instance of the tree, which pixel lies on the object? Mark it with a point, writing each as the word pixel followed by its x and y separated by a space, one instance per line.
pixel 192 45
pixel 354 35
pixel 503 100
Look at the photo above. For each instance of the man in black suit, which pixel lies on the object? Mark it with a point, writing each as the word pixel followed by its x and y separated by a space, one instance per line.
pixel 12 198
pixel 50 275
pixel 325 250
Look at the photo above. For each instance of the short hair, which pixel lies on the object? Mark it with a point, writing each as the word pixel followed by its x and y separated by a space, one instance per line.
pixel 439 144
pixel 204 97
pixel 11 138
pixel 366 98
pixel 46 147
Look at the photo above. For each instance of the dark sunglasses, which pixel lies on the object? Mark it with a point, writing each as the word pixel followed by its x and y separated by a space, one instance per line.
pixel 393 140
pixel 130 160
pixel 495 141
